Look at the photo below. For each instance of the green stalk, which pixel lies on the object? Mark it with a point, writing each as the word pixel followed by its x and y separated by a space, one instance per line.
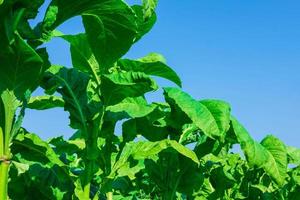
pixel 1 143
pixel 4 168
pixel 91 147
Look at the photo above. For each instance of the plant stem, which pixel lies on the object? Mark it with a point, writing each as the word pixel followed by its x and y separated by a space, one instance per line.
pixel 4 168
pixel 1 142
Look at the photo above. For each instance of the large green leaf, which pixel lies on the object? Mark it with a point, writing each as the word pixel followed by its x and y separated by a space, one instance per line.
pixel 144 25
pixel 270 154
pixel 133 107
pixel 152 64
pixel 33 148
pixel 152 126
pixel 277 157
pixel 146 150
pixel 221 112
pixel 83 58
pixel 110 25
pixel 14 15
pixel 72 85
pixel 118 86
pixel 20 66
pixel 45 102
pixel 40 182
pixel 199 114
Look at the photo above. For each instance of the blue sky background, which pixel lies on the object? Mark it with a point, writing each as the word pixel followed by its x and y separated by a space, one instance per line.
pixel 244 52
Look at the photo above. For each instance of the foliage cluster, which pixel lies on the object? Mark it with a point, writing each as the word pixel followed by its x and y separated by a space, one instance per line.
pixel 177 149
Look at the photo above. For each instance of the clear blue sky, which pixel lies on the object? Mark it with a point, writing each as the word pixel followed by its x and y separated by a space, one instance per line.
pixel 244 52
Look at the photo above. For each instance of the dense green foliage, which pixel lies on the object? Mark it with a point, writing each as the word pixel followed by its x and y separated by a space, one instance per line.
pixel 178 149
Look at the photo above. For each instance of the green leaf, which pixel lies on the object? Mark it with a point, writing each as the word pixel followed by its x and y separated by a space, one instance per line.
pixel 83 58
pixel 144 25
pixel 40 182
pixel 8 107
pixel 67 147
pixel 152 126
pixel 293 155
pixel 270 154
pixel 72 85
pixel 33 148
pixel 110 37
pixel 199 114
pixel 149 7
pixel 133 107
pixel 21 167
pixel 146 150
pixel 152 64
pixel 110 25
pixel 277 161
pixel 118 86
pixel 21 68
pixel 45 102
pixel 221 112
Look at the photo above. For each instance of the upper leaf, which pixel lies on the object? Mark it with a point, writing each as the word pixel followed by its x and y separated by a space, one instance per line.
pixel 133 107
pixel 199 114
pixel 83 58
pixel 152 64
pixel 110 25
pixel 270 154
pixel 221 112
pixel 118 86
pixel 20 66
pixel 144 25
pixel 149 7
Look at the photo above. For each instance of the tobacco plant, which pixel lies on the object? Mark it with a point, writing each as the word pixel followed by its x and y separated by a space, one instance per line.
pixel 178 149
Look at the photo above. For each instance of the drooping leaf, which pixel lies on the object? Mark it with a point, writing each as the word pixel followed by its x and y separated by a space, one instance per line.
pixel 199 114
pixel 152 64
pixel 221 112
pixel 270 154
pixel 152 126
pixel 83 58
pixel 72 85
pixel 144 150
pixel 40 182
pixel 110 25
pixel 21 68
pixel 33 148
pixel 277 157
pixel 118 86
pixel 144 25
pixel 132 107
